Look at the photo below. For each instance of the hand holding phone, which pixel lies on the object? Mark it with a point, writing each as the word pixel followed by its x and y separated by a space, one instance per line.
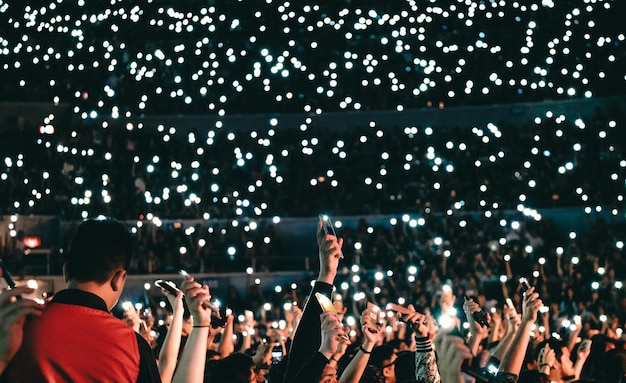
pixel 277 353
pixel 479 317
pixel 374 317
pixel 327 225
pixel 524 283
pixel 218 316
pixel 328 228
pixel 512 309
pixel 325 303
pixel 168 286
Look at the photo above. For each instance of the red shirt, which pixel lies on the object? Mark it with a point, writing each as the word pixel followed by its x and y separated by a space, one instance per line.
pixel 76 342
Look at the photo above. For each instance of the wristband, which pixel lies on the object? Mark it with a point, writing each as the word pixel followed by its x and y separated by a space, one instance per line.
pixel 364 351
pixel 200 326
pixel 543 364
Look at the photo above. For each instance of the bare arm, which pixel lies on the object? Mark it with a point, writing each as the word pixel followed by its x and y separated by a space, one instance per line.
pixel 514 356
pixel 227 346
pixel 354 370
pixel 192 361
pixel 583 353
pixel 477 331
pixel 513 323
pixel 451 352
pixel 168 356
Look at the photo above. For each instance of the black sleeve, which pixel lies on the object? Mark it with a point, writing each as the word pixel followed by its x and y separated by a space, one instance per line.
pixel 308 338
pixel 148 371
pixel 311 371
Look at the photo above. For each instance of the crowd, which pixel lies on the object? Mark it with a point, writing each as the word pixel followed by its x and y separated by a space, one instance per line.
pixel 159 172
pixel 432 295
pixel 448 331
pixel 163 57
pixel 218 207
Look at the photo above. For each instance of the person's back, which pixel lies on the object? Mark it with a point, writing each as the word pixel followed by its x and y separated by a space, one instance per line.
pixel 76 339
pixel 72 342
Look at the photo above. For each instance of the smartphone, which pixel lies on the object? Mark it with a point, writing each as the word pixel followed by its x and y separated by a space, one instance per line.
pixel 249 316
pixel 168 286
pixel 509 303
pixel 479 316
pixel 327 225
pixel 8 278
pixel 277 354
pixel 218 315
pixel 325 303
pixel 373 316
pixel 524 283
pixel 7 275
pixel 218 318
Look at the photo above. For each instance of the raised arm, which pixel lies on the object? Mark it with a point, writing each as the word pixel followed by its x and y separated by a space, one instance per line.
pixel 307 338
pixel 425 361
pixel 451 352
pixel 227 346
pixel 513 358
pixel 193 359
pixel 317 367
pixel 478 332
pixel 354 370
pixel 168 356
pixel 513 322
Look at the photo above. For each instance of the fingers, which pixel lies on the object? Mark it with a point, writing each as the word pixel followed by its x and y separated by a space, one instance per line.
pixel 331 245
pixel 192 288
pixel 320 232
pixel 471 307
pixel 8 296
pixel 18 310
pixel 452 350
pixel 331 325
pixel 415 318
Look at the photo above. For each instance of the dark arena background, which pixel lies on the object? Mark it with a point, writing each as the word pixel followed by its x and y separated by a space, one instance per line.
pixel 453 143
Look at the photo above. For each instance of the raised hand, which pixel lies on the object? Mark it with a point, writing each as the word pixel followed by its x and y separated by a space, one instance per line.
pixel 546 359
pixel 530 306
pixel 470 307
pixel 196 296
pixel 332 332
pixel 418 321
pixel 451 352
pixel 329 254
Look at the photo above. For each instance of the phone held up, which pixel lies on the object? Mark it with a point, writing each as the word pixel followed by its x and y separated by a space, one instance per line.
pixel 479 316
pixel 218 313
pixel 328 227
pixel 327 306
pixel 168 286
pixel 7 277
pixel 524 283
pixel 277 353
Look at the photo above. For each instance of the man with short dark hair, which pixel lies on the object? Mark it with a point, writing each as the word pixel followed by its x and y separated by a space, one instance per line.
pixel 76 338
